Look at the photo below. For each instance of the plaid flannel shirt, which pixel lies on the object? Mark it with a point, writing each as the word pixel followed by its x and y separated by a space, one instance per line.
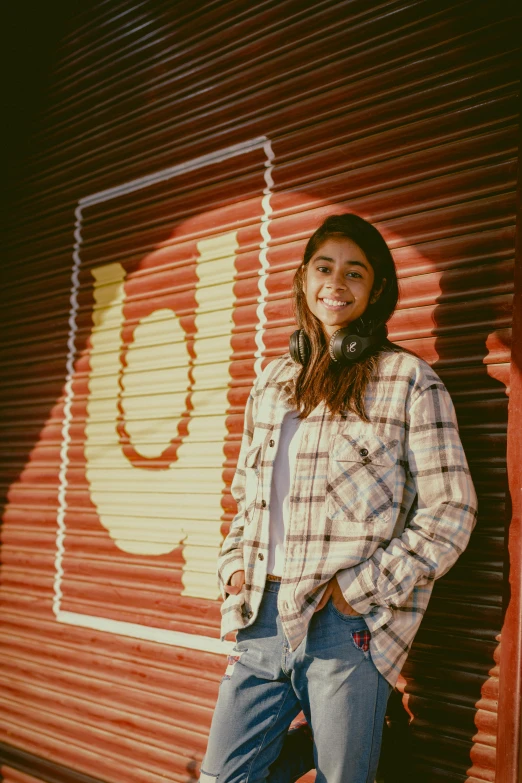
pixel 387 506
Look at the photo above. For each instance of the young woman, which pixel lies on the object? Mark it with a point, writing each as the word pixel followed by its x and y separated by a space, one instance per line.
pixel 353 495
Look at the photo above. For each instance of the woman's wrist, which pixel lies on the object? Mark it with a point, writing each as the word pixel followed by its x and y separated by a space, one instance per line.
pixel 340 601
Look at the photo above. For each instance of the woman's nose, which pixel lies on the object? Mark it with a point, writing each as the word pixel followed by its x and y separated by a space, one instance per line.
pixel 338 281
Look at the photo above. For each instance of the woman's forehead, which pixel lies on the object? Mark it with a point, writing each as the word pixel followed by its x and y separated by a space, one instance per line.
pixel 341 249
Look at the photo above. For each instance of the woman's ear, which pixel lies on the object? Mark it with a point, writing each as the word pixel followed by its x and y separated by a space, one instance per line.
pixel 378 291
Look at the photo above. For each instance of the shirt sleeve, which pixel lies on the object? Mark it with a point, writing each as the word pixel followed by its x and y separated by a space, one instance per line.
pixel 444 515
pixel 231 554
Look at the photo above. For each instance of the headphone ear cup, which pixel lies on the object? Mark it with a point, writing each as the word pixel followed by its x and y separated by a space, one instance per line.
pixel 346 347
pixel 304 347
pixel 300 346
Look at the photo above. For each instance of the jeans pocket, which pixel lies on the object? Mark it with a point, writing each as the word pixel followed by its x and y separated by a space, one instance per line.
pixel 350 618
pixel 356 626
pixel 232 660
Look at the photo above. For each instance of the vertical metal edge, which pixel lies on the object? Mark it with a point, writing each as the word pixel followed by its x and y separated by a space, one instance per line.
pixel 509 740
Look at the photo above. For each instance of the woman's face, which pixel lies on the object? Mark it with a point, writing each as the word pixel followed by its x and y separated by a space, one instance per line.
pixel 338 284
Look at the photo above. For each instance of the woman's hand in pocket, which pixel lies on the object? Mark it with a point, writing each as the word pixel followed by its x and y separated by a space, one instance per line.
pixel 235 583
pixel 334 592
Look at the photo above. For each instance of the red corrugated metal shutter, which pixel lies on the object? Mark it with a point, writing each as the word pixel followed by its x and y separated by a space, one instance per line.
pixel 186 154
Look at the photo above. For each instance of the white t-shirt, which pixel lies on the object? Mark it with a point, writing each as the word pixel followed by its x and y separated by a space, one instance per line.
pixel 282 478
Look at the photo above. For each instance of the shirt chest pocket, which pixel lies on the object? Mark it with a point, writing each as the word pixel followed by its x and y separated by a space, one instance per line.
pixel 362 478
pixel 252 476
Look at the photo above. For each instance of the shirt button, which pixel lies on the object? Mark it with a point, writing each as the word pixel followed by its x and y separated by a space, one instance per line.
pixel 263 504
pixel 272 443
pixel 249 615
pixel 261 556
pixel 363 452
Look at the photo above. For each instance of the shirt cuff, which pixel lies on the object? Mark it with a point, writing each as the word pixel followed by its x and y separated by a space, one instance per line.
pixel 227 569
pixel 355 589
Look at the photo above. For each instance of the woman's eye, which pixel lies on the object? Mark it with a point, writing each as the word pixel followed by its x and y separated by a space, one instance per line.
pixel 323 269
pixel 354 274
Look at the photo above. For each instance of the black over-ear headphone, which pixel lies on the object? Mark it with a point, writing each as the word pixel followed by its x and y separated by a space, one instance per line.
pixel 346 345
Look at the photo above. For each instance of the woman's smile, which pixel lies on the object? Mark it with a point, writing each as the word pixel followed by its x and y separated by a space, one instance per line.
pixel 334 304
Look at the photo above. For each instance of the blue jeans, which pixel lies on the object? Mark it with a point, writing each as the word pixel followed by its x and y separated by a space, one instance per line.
pixel 329 677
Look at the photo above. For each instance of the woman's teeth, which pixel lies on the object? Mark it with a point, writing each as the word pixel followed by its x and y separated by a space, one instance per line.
pixel 334 303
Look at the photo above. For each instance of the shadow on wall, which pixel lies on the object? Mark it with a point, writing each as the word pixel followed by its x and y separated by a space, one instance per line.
pixel 448 676
pixel 193 771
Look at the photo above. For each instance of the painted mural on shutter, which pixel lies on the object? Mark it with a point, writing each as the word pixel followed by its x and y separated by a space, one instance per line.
pixel 185 156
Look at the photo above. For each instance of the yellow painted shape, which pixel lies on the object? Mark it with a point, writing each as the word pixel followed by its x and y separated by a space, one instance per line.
pixel 152 511
pixel 151 419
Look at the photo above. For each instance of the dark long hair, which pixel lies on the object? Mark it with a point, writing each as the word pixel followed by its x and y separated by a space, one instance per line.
pixel 343 388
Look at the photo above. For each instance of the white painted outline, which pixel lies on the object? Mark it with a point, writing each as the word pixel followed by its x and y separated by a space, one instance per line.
pixel 263 271
pixel 160 635
pixel 147 632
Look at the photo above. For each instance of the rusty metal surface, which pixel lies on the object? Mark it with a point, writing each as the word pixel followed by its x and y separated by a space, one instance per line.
pixel 183 158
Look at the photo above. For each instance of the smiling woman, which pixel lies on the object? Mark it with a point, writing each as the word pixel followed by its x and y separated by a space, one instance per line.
pixel 353 496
